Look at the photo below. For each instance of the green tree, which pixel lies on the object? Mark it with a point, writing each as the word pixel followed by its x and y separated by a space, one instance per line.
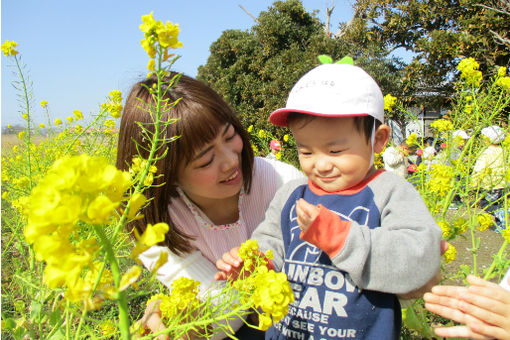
pixel 255 70
pixel 438 33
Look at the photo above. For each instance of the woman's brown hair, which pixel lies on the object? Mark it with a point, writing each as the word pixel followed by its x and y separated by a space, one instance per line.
pixel 200 114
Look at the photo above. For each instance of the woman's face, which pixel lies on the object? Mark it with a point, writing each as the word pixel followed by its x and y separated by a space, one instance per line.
pixel 215 172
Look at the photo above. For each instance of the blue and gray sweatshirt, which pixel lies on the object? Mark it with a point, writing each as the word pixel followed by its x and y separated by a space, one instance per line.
pixel 368 243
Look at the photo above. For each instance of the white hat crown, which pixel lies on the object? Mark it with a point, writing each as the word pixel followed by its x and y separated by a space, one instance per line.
pixel 333 90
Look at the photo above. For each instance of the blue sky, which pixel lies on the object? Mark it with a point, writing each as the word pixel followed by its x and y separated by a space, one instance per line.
pixel 77 51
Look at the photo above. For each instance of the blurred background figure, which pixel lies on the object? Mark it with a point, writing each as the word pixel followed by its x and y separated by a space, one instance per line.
pixel 275 147
pixel 490 168
pixel 459 138
pixel 395 159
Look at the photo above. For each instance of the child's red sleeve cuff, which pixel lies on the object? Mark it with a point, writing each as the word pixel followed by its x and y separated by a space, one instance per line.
pixel 327 232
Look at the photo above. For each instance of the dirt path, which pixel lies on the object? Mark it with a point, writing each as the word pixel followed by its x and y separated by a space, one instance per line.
pixel 490 242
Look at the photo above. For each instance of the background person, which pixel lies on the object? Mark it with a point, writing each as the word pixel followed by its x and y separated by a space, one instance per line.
pixel 490 169
pixel 275 147
pixel 395 159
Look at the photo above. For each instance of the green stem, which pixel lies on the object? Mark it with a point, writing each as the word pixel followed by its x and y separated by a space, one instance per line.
pixel 49 122
pixel 124 322
pixel 27 108
pixel 68 321
pixel 82 132
pixel 82 318
pixel 154 146
pixel 204 322
pixel 493 264
pixel 473 249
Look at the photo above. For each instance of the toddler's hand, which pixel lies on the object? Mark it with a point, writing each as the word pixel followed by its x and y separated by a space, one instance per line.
pixel 229 265
pixel 306 214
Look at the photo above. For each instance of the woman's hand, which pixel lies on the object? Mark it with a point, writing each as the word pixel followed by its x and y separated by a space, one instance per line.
pixel 152 319
pixel 229 265
pixel 483 309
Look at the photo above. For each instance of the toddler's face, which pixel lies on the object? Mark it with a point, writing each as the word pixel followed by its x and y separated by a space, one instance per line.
pixel 332 152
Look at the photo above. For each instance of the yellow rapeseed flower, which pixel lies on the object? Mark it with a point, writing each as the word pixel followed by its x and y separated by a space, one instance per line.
pixel 286 138
pixel 272 294
pixel 21 134
pixel 250 128
pixel 247 252
pixel 506 234
pixel 468 68
pixel 184 296
pixel 445 228
pixel 137 201
pixel 442 178
pixel 504 83
pixel 450 254
pixel 100 210
pixel 501 71
pixel 152 235
pixel 460 225
pixel 130 277
pixel 113 104
pixel 79 188
pixel 109 123
pixel 70 119
pixel 58 121
pixel 162 259
pixel 44 104
pixel 155 32
pixel 42 126
pixel 484 221
pixel 108 328
pixel 262 133
pixel 389 102
pixel 412 139
pixel 77 114
pixel 151 65
pixel 442 125
pixel 25 116
pixel 8 48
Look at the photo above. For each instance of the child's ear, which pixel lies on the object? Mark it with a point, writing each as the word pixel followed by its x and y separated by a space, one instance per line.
pixel 382 135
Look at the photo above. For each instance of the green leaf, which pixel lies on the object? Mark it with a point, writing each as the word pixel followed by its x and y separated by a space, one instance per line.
pixel 55 317
pixel 346 60
pixel 35 309
pixel 411 321
pixel 59 334
pixel 9 323
pixel 325 59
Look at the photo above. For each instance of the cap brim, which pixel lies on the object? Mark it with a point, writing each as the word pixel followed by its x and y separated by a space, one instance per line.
pixel 279 117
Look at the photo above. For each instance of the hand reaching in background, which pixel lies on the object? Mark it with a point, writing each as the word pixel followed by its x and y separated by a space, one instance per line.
pixel 483 308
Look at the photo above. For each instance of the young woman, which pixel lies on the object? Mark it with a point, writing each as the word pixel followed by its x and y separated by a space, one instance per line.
pixel 211 191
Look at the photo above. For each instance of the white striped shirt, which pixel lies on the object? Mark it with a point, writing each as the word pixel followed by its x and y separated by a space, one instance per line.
pixel 268 176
